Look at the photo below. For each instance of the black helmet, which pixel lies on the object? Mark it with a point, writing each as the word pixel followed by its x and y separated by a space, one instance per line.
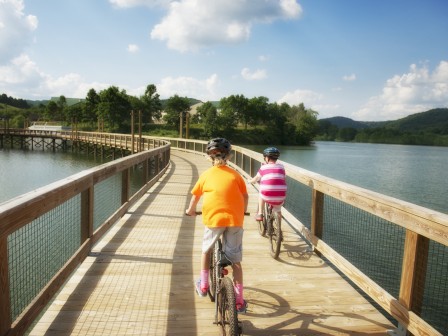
pixel 271 152
pixel 219 144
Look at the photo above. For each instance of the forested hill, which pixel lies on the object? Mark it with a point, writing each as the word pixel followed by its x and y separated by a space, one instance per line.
pixel 425 128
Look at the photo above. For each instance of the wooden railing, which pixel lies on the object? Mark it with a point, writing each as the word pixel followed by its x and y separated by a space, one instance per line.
pixel 422 226
pixel 21 212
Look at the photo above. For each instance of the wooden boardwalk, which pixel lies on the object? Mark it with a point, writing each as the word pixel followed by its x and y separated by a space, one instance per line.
pixel 139 278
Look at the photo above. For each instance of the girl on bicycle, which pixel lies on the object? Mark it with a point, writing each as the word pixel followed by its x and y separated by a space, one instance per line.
pixel 272 179
pixel 224 205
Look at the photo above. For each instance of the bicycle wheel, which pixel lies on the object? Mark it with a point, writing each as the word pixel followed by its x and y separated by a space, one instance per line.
pixel 275 235
pixel 214 269
pixel 227 315
pixel 262 225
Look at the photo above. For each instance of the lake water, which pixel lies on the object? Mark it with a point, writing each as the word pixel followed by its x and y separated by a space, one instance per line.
pixel 415 174
pixel 24 171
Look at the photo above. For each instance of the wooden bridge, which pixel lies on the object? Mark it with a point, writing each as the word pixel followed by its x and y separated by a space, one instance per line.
pixel 139 264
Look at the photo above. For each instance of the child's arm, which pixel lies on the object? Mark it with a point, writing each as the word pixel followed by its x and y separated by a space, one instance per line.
pixel 191 211
pixel 255 179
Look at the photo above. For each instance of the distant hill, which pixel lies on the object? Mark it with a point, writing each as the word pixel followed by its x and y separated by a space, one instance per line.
pixel 343 122
pixel 435 121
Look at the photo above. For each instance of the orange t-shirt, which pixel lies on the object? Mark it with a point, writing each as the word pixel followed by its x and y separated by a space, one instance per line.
pixel 223 189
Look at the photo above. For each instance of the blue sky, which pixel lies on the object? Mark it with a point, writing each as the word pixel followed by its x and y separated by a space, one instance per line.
pixel 365 60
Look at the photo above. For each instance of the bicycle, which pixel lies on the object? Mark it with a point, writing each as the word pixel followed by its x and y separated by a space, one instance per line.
pixel 221 290
pixel 271 226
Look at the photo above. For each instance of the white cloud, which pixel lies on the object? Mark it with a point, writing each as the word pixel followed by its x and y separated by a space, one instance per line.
pixel 263 58
pixel 135 3
pixel 416 91
pixel 193 24
pixel 307 97
pixel 189 87
pixel 15 29
pixel 255 75
pixel 312 100
pixel 349 78
pixel 22 73
pixel 133 48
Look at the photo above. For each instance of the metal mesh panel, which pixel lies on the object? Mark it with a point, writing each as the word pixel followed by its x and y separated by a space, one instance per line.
pixel 137 178
pixel 435 298
pixel 37 251
pixel 372 244
pixel 298 201
pixel 107 199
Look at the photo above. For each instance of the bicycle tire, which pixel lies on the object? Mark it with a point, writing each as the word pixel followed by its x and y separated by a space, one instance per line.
pixel 214 270
pixel 227 315
pixel 275 235
pixel 262 225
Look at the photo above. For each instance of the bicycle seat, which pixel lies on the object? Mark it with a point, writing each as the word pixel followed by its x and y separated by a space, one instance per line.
pixel 223 260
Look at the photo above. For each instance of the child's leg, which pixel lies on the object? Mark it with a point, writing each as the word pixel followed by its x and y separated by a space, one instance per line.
pixel 238 283
pixel 260 205
pixel 205 270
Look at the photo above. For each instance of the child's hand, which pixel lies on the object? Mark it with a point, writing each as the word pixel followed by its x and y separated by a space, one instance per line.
pixel 190 212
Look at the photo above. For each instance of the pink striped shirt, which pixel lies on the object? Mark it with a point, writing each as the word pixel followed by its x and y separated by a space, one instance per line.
pixel 273 187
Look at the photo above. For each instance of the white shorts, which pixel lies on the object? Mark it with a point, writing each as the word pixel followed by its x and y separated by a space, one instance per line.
pixel 232 238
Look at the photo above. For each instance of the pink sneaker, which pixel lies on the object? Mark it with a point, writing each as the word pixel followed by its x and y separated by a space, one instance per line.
pixel 201 292
pixel 259 217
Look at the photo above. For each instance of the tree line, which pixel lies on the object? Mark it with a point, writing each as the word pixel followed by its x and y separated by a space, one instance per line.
pixel 383 134
pixel 237 117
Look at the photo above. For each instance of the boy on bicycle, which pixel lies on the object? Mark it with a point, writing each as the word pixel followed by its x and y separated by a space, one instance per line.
pixel 223 208
pixel 272 179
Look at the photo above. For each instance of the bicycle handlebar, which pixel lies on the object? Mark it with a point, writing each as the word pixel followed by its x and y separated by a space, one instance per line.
pixel 200 213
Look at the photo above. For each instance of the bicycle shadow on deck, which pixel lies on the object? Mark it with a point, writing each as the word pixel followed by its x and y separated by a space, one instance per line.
pixel 265 308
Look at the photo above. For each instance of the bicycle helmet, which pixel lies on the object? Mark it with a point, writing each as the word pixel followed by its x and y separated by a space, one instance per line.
pixel 218 147
pixel 271 152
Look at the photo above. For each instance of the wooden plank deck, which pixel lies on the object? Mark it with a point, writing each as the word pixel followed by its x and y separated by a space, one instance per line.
pixel 139 278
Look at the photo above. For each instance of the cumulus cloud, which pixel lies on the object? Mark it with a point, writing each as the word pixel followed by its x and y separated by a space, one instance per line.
pixel 15 29
pixel 22 73
pixel 133 48
pixel 416 91
pixel 255 75
pixel 307 97
pixel 193 24
pixel 189 87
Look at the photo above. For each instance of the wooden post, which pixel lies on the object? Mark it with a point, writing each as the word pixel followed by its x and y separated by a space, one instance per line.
pixel 317 215
pixel 139 130
pixel 132 132
pixel 5 299
pixel 181 124
pixel 125 185
pixel 416 249
pixel 187 125
pixel 87 202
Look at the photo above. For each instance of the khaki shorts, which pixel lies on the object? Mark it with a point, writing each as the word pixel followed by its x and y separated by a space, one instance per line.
pixel 233 241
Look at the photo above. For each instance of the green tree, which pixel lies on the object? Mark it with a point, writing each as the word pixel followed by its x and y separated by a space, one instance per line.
pixel 305 121
pixel 114 107
pixel 51 111
pixel 90 107
pixel 207 115
pixel 152 104
pixel 175 108
pixel 257 111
